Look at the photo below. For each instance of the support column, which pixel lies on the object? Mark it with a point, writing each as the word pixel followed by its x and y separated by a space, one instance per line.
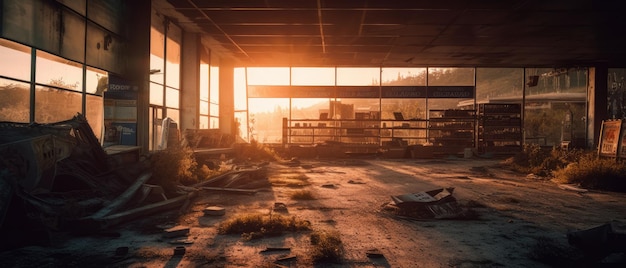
pixel 227 97
pixel 139 64
pixel 597 103
pixel 190 82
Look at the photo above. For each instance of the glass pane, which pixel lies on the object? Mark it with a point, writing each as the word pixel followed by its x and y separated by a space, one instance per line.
pixel 94 112
pixel 156 94
pixel 215 80
pixel 271 76
pixel 157 52
pixel 450 76
pixel 175 115
pixel 204 107
pixel 215 122
pixel 54 105
pixel 172 73
pixel 215 109
pixel 266 117
pixel 499 85
pixel 354 108
pixel 19 57
pixel 14 101
pixel 204 81
pixel 555 107
pixel 55 71
pixel 172 97
pixel 304 76
pixel 403 76
pixel 309 108
pixel 240 89
pixel 549 80
pixel 242 121
pixel 358 76
pixel 97 81
pixel 616 93
pixel 410 108
pixel 204 122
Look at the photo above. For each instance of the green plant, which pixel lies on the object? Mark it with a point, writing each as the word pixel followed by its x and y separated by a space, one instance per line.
pixel 594 172
pixel 256 225
pixel 173 166
pixel 255 151
pixel 327 247
pixel 541 161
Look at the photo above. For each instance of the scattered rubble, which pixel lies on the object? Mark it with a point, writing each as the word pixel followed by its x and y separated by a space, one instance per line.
pixel 599 242
pixel 58 177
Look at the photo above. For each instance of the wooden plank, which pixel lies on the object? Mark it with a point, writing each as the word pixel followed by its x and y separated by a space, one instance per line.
pixel 229 190
pixel 123 198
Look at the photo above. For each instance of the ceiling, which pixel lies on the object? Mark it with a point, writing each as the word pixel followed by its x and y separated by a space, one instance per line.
pixel 405 33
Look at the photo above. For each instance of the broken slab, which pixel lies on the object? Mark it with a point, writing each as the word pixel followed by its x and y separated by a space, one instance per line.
pixel 600 241
pixel 176 231
pixel 433 204
pixel 214 211
pixel 374 253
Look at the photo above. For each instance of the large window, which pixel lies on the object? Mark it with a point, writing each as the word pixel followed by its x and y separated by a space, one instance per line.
pixel 616 97
pixel 14 89
pixel 165 60
pixel 555 106
pixel 58 72
pixel 214 92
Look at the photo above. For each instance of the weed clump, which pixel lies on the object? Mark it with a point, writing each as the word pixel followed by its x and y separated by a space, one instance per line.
pixel 177 165
pixel 580 167
pixel 255 151
pixel 327 247
pixel 257 225
pixel 302 195
pixel 594 173
pixel 541 161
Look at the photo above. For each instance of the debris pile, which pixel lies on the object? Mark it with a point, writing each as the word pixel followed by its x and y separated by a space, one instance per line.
pixel 58 177
pixel 433 204
pixel 599 242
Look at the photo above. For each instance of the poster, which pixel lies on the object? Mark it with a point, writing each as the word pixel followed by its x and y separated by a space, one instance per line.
pixel 609 138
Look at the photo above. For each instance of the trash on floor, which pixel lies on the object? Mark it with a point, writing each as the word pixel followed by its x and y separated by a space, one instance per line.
pixel 433 204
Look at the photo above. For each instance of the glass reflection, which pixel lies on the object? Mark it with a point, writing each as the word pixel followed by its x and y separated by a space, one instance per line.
pixel 54 105
pixel 156 94
pixel 19 57
pixel 58 72
pixel 403 76
pixel 97 81
pixel 311 76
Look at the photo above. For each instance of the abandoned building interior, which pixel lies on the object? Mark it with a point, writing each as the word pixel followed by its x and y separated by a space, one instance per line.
pixel 321 79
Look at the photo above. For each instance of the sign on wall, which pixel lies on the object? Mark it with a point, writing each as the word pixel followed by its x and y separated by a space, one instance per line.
pixel 609 138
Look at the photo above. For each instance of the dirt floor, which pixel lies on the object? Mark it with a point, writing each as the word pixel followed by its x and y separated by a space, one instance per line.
pixel 519 221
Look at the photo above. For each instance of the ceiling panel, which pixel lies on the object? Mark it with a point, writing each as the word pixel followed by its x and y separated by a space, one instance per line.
pixel 484 33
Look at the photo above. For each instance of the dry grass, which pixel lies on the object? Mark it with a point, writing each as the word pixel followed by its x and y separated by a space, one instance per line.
pixel 302 195
pixel 595 173
pixel 295 181
pixel 255 151
pixel 584 168
pixel 327 247
pixel 256 225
